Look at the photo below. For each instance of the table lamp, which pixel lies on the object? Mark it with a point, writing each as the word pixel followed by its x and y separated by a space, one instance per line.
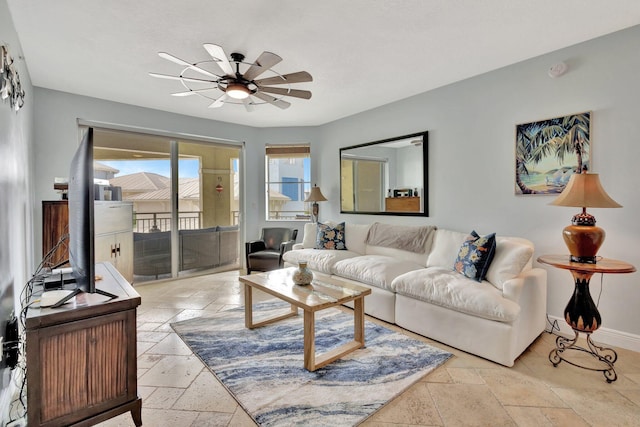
pixel 582 237
pixel 315 196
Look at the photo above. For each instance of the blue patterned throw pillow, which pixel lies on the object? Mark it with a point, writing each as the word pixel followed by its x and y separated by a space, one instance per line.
pixel 475 256
pixel 328 237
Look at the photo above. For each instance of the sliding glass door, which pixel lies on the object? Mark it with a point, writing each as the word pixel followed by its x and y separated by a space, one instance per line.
pixel 207 207
pixel 184 196
pixel 364 190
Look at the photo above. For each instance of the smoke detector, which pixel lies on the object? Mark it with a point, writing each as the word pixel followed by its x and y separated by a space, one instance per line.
pixel 558 69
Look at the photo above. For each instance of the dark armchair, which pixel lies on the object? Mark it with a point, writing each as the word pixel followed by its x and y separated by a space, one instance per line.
pixel 266 254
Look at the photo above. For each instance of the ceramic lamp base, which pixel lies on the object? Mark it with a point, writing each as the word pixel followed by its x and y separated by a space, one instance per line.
pixel 583 242
pixel 581 312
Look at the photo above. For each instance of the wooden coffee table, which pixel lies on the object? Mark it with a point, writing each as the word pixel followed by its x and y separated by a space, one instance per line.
pixel 324 292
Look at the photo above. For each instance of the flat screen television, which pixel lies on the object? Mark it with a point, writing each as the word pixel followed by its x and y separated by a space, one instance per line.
pixel 81 194
pixel 81 221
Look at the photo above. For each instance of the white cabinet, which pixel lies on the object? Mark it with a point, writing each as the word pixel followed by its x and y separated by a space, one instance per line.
pixel 113 231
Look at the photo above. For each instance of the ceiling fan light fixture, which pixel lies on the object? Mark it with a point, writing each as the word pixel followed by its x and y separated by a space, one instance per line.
pixel 237 87
pixel 237 91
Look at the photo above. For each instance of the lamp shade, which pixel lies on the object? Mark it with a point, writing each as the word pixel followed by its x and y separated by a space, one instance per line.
pixel 315 195
pixel 585 191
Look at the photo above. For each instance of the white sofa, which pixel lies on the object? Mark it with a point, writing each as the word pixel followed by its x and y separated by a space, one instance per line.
pixel 496 319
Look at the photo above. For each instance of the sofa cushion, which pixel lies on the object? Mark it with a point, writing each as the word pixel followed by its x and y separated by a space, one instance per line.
pixel 475 255
pixel 354 236
pixel 330 237
pixel 512 256
pixel 416 239
pixel 399 254
pixel 309 236
pixel 226 228
pixel 446 288
pixel 317 259
pixel 446 244
pixel 374 270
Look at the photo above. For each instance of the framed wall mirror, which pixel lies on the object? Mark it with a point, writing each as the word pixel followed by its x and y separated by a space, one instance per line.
pixel 386 177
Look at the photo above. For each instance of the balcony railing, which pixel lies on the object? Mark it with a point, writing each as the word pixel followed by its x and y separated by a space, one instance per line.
pixel 289 216
pixel 161 221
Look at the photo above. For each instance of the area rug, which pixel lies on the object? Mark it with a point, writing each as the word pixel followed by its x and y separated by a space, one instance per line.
pixel 263 368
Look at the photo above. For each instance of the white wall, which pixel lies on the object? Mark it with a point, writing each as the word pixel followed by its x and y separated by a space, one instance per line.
pixel 16 195
pixel 471 128
pixel 409 174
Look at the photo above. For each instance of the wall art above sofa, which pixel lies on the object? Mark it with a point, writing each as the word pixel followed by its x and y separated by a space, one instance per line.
pixel 549 151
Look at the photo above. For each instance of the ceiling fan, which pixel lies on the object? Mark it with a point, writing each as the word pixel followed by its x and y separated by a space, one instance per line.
pixel 237 86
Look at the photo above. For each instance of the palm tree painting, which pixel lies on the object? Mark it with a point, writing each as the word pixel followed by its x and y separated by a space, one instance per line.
pixel 549 151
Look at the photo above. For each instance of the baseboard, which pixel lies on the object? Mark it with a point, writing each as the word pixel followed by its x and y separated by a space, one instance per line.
pixel 601 336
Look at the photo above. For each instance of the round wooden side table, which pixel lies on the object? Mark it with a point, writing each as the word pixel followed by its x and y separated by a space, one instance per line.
pixel 582 313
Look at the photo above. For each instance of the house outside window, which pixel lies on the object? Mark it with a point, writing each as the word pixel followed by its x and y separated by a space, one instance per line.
pixel 290 187
pixel 288 182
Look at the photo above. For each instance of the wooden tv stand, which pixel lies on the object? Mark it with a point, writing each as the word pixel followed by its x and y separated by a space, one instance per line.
pixel 81 358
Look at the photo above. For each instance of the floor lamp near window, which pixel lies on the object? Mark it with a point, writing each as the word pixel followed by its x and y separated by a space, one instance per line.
pixel 315 196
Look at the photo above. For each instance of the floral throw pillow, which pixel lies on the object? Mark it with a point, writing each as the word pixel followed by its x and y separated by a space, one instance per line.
pixel 328 237
pixel 475 256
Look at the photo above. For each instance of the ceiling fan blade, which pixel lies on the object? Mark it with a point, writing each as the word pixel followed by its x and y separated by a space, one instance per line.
pixel 271 100
pixel 193 91
pixel 265 61
pixel 218 55
pixel 218 102
pixel 299 77
pixel 248 104
pixel 305 94
pixel 179 61
pixel 186 79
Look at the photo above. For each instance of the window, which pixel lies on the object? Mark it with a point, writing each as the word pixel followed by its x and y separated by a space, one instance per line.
pixel 288 182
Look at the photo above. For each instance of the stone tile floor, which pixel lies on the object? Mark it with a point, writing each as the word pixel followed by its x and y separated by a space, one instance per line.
pixel 178 390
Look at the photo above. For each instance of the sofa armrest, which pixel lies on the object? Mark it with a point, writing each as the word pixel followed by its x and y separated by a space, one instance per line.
pixel 298 246
pixel 527 283
pixel 529 291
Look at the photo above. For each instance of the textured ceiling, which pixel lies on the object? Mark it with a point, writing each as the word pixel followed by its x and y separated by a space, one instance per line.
pixel 361 53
